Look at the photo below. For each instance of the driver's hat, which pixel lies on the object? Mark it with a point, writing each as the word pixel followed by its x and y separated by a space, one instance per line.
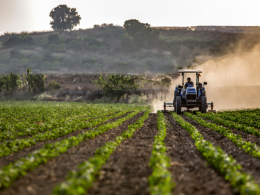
pixel 188 78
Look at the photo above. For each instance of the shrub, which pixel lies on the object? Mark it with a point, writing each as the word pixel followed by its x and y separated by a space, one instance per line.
pixel 24 62
pixel 97 65
pixel 46 65
pixel 55 65
pixel 138 99
pixel 74 44
pixel 93 48
pixel 24 39
pixel 53 47
pixel 53 86
pixel 14 62
pixel 53 38
pixel 14 53
pixel 102 48
pixel 12 41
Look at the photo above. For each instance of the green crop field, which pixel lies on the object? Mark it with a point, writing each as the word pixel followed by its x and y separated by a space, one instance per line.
pixel 85 148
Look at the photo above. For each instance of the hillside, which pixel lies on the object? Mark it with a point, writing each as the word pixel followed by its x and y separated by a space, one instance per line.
pixel 104 49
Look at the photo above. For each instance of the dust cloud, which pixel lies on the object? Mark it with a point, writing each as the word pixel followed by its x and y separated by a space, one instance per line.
pixel 233 80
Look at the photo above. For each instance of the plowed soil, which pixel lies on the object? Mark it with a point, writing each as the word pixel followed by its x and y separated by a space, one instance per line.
pixel 190 171
pixel 250 164
pixel 127 170
pixel 246 136
pixel 42 180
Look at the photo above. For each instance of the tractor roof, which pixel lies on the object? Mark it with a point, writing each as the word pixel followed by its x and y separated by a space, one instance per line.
pixel 189 71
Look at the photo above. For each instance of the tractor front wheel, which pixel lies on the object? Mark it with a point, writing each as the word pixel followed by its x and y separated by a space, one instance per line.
pixel 204 104
pixel 178 105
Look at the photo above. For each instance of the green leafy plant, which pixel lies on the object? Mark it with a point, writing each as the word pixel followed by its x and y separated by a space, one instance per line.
pixel 13 171
pixel 248 147
pixel 223 163
pixel 78 182
pixel 160 181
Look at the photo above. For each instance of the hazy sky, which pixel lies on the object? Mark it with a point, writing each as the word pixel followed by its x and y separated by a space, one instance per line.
pixel 33 15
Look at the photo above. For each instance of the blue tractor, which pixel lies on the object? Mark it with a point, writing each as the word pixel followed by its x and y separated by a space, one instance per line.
pixel 190 96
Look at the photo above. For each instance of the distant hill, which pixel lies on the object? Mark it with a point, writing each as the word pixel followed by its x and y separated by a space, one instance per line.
pixel 100 50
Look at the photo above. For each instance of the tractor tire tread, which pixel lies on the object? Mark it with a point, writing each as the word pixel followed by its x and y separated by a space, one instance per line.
pixel 178 105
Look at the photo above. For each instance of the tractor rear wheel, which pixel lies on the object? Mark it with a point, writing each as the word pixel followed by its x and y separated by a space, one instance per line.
pixel 204 104
pixel 178 105
pixel 174 105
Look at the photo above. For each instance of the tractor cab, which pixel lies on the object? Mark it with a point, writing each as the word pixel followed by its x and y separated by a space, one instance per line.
pixel 190 96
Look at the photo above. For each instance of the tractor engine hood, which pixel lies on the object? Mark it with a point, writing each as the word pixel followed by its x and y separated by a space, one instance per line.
pixel 191 95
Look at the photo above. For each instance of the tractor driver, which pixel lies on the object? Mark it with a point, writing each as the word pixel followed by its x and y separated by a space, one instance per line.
pixel 189 82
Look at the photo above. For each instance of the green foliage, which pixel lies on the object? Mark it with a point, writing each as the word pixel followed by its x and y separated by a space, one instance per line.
pixel 53 86
pixel 127 42
pixel 115 84
pixel 236 125
pixel 138 99
pixel 143 35
pixel 160 181
pixel 134 26
pixel 60 127
pixel 8 147
pixel 147 37
pixel 64 17
pixel 53 38
pixel 78 182
pixel 14 53
pixel 244 119
pixel 248 147
pixel 10 82
pixel 225 164
pixel 35 82
pixel 24 39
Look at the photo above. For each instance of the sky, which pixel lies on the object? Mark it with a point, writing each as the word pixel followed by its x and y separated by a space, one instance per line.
pixel 33 15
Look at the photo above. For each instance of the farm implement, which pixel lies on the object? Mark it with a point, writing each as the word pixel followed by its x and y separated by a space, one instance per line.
pixel 190 96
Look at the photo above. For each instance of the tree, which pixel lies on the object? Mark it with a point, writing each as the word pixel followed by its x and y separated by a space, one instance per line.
pixel 133 26
pixel 127 42
pixel 147 36
pixel 35 82
pixel 115 85
pixel 14 40
pixel 10 82
pixel 64 17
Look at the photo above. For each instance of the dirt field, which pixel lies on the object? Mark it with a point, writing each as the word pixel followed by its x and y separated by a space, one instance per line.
pixel 127 169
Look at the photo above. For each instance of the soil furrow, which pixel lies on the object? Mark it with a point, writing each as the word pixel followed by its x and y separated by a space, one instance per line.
pixel 250 164
pixel 246 136
pixel 127 169
pixel 43 179
pixel 190 171
pixel 20 154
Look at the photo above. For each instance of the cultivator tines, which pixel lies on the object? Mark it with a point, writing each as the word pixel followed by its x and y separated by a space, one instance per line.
pixel 211 108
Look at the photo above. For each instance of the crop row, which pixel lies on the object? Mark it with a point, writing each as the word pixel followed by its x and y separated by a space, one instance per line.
pixel 251 121
pixel 248 147
pixel 223 163
pixel 231 124
pixel 53 115
pixel 9 147
pixel 244 111
pixel 35 112
pixel 78 182
pixel 11 172
pixel 160 181
pixel 31 129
